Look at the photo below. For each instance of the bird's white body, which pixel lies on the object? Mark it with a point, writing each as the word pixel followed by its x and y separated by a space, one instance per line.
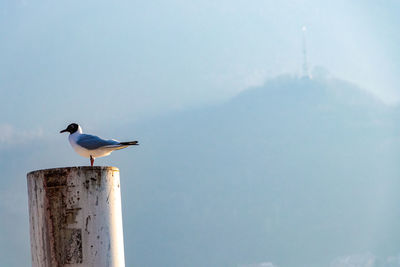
pixel 95 153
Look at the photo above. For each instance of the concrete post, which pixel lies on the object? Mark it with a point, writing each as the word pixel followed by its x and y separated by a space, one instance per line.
pixel 75 217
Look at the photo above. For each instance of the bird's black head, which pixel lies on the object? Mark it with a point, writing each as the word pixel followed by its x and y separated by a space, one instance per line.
pixel 72 128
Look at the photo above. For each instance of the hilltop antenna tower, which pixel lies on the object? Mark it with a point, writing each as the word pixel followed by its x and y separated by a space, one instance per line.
pixel 305 72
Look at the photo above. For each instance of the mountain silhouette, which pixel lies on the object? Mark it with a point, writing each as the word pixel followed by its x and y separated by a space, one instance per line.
pixel 270 175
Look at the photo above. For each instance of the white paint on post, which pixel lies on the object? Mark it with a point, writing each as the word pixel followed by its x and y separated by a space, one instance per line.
pixel 75 217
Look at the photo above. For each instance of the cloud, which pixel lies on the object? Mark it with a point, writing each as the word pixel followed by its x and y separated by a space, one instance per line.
pixel 9 135
pixel 365 260
pixel 355 260
pixel 261 264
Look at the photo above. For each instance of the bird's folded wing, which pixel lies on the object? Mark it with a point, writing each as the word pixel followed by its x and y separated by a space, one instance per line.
pixel 94 142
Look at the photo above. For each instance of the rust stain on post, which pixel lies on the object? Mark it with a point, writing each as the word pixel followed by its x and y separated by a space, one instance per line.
pixel 75 217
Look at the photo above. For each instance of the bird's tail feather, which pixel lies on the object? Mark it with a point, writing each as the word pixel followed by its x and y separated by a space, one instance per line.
pixel 131 143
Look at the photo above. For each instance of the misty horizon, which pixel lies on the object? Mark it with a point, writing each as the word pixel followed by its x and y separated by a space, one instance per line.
pixel 268 131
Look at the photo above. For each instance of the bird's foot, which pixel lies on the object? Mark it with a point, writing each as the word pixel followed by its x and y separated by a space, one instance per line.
pixel 91 161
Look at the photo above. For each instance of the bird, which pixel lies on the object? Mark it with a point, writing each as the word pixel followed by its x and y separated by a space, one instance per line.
pixel 91 146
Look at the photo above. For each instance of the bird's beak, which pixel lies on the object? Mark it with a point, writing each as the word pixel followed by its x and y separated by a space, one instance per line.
pixel 63 131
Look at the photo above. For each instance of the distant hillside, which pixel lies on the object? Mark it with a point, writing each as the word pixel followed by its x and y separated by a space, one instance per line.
pixel 269 176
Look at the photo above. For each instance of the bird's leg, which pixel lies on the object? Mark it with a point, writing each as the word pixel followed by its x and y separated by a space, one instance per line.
pixel 91 160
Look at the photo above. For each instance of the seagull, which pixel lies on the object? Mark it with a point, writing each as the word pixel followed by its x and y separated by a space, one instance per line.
pixel 91 146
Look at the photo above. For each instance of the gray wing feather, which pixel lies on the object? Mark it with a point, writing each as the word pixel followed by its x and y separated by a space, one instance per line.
pixel 94 142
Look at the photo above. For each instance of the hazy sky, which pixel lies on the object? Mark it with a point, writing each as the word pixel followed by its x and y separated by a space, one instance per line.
pixel 110 64
pixel 125 60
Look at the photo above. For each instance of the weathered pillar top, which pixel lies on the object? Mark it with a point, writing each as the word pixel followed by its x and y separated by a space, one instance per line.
pixel 66 170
